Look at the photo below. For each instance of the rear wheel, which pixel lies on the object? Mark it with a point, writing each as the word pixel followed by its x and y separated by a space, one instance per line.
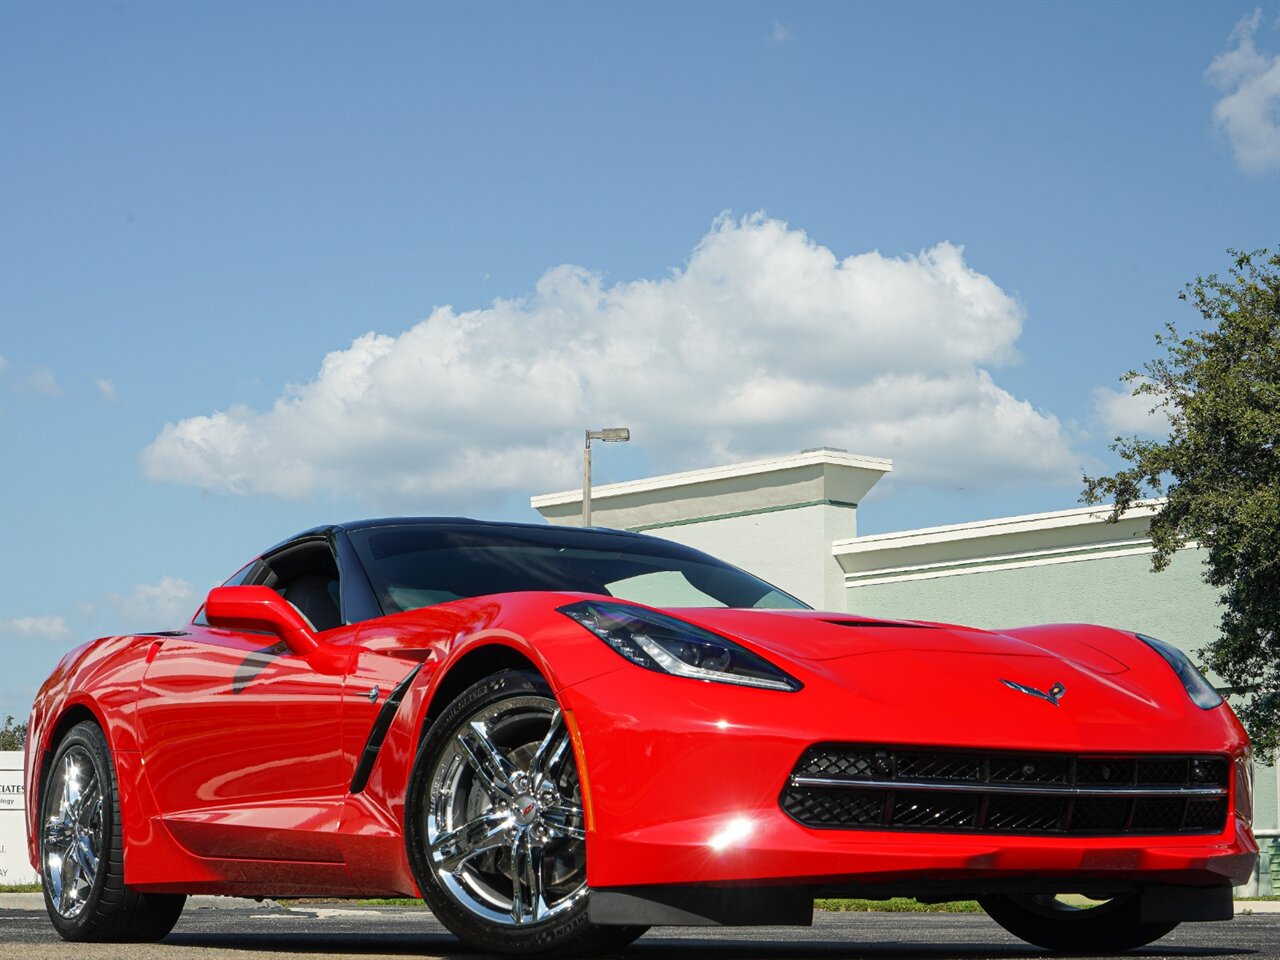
pixel 495 825
pixel 81 854
pixel 1074 924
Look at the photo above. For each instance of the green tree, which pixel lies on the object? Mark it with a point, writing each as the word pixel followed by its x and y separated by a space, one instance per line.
pixel 1220 472
pixel 12 735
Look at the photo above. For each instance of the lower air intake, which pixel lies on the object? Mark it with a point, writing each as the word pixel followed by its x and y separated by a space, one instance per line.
pixel 849 786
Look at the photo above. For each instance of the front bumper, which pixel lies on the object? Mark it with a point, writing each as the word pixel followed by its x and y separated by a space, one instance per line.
pixel 684 779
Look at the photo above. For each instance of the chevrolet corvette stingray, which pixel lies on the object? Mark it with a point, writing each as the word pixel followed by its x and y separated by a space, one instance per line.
pixel 558 737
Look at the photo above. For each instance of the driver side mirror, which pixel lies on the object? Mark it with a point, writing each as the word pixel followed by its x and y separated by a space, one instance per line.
pixel 259 608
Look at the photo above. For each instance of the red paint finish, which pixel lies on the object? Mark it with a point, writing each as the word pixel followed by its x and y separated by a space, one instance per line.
pixel 235 750
pixel 646 744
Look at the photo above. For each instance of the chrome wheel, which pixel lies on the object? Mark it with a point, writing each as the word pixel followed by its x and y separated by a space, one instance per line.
pixel 504 822
pixel 82 853
pixel 73 832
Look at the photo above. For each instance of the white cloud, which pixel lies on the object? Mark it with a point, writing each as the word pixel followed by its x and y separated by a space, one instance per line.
pixel 1249 111
pixel 4 363
pixel 164 605
pixel 48 627
pixel 764 343
pixel 106 388
pixel 1124 414
pixel 45 383
pixel 779 33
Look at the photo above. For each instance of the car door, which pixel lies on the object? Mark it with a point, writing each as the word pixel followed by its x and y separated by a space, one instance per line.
pixel 241 736
pixel 241 741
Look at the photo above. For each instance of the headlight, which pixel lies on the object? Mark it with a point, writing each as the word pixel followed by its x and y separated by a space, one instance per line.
pixel 1199 689
pixel 664 644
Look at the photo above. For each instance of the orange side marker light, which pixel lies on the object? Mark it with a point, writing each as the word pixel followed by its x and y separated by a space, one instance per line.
pixel 580 755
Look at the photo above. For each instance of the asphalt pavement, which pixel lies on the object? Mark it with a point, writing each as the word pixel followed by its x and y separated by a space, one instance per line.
pixel 223 929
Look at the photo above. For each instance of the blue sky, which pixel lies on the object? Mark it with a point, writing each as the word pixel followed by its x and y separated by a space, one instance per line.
pixel 932 232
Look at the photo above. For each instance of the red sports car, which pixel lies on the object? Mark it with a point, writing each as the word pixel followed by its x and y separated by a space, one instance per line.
pixel 559 737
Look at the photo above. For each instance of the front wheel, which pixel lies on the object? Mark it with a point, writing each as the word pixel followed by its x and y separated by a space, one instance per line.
pixel 81 853
pixel 495 827
pixel 1075 925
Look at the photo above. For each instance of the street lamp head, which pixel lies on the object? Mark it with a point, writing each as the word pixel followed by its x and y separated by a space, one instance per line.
pixel 610 434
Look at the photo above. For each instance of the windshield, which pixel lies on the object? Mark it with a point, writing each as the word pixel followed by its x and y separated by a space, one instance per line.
pixel 418 565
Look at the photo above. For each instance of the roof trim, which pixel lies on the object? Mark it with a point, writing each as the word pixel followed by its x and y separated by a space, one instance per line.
pixel 667 481
pixel 1000 526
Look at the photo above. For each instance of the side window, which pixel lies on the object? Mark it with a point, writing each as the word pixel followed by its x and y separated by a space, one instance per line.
pixel 306 575
pixel 240 578
pixel 245 575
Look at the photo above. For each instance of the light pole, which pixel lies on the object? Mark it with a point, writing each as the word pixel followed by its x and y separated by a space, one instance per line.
pixel 609 435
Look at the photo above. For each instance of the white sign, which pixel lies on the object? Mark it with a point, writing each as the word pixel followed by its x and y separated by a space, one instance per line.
pixel 14 867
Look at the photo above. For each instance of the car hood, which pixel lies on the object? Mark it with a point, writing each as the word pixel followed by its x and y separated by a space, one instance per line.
pixel 910 681
pixel 815 636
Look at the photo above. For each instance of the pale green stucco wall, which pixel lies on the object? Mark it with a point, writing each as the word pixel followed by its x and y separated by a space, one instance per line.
pixel 1175 605
pixel 1122 592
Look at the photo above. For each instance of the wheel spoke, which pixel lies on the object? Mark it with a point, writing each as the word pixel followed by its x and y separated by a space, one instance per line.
pixel 87 857
pixel 89 816
pixel 517 874
pixel 88 803
pixel 550 750
pixel 70 784
pixel 56 832
pixel 53 869
pixel 70 882
pixel 548 771
pixel 533 878
pixel 491 768
pixel 564 820
pixel 528 903
pixel 565 824
pixel 453 849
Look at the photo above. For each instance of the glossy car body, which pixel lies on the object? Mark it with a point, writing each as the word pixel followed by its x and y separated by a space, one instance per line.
pixel 238 751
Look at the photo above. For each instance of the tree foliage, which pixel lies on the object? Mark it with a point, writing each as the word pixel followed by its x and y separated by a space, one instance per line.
pixel 12 735
pixel 1220 472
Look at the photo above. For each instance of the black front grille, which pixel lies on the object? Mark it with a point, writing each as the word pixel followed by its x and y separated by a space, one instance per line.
pixel 938 766
pixel 1014 814
pixel 844 786
pixel 929 812
pixel 1101 771
pixel 1026 769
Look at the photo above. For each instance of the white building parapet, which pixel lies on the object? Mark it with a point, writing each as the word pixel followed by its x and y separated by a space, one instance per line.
pixel 774 517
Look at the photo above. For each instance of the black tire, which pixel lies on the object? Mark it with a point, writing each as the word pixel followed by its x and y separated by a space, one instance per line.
pixel 494 827
pixel 1112 926
pixel 81 854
